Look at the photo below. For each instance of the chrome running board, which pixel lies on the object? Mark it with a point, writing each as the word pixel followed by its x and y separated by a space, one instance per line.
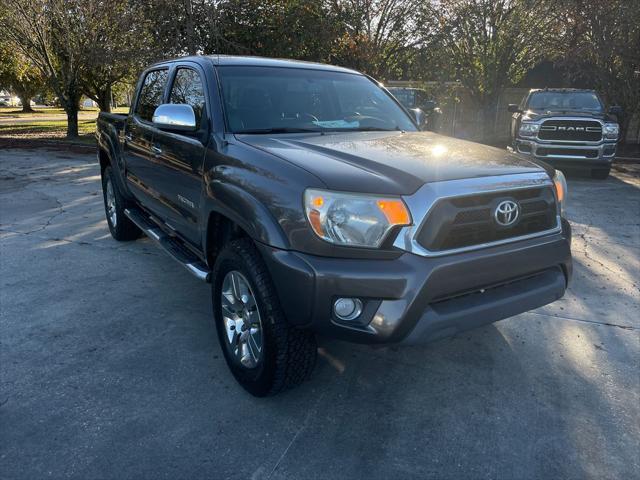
pixel 169 244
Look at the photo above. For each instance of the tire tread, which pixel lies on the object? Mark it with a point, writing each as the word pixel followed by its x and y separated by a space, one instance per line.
pixel 295 349
pixel 125 230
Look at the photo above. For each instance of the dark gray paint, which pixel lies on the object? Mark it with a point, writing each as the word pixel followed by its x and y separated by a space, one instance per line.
pixel 389 163
pixel 258 182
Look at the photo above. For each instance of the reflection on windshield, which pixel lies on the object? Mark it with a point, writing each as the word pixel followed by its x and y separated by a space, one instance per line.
pixel 289 100
pixel 574 101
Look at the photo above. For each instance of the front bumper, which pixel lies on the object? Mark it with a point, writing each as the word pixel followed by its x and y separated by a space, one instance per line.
pixel 415 299
pixel 587 154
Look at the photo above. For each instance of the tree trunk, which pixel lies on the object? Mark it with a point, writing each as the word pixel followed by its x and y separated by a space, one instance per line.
pixel 624 127
pixel 191 44
pixel 26 103
pixel 104 99
pixel 72 120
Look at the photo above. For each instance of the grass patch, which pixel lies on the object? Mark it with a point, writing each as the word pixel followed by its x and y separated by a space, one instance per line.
pixel 48 124
pixel 9 112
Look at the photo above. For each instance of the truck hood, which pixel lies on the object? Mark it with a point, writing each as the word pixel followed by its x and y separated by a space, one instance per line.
pixel 393 163
pixel 539 114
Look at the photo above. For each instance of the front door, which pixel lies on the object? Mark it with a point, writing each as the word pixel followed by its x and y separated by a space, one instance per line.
pixel 180 156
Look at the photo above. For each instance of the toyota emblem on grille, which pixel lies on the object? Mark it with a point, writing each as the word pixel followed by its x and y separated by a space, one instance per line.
pixel 506 213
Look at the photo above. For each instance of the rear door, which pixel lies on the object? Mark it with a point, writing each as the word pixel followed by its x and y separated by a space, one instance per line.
pixel 140 158
pixel 180 155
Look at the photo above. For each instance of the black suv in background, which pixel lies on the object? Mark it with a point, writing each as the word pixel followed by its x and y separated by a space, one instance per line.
pixel 567 128
pixel 416 98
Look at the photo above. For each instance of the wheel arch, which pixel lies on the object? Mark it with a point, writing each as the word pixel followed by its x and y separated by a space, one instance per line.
pixel 232 212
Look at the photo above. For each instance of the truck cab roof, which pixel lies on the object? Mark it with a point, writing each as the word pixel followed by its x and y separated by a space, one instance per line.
pixel 250 61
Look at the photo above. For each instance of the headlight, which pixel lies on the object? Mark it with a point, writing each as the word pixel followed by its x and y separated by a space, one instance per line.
pixel 611 130
pixel 529 129
pixel 560 184
pixel 353 219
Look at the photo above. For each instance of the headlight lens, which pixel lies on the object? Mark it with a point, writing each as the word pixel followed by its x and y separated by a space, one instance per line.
pixel 560 183
pixel 529 129
pixel 353 219
pixel 611 130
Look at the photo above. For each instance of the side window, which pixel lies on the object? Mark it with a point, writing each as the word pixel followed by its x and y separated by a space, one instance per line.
pixel 151 93
pixel 187 88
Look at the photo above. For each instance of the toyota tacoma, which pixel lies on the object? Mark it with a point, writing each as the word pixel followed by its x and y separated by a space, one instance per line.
pixel 567 128
pixel 311 201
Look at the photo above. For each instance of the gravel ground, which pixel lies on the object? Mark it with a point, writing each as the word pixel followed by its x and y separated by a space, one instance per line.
pixel 110 367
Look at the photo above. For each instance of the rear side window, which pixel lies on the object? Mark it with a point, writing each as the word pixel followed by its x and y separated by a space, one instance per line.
pixel 151 93
pixel 187 88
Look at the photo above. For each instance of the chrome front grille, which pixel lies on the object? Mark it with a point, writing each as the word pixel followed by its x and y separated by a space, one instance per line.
pixel 459 206
pixel 571 130
pixel 460 222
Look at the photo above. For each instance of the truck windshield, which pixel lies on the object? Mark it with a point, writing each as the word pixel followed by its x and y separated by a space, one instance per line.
pixel 565 101
pixel 285 100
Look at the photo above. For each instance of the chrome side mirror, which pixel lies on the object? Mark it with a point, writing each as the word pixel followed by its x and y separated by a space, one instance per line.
pixel 419 117
pixel 175 116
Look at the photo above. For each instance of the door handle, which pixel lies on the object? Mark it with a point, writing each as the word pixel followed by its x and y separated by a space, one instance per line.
pixel 156 150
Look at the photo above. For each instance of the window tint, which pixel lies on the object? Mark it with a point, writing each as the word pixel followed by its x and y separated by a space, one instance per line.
pixel 187 88
pixel 151 93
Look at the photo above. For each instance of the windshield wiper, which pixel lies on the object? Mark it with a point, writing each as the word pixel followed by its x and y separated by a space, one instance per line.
pixel 278 130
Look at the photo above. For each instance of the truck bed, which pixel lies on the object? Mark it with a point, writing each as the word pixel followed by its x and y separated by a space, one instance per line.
pixel 109 128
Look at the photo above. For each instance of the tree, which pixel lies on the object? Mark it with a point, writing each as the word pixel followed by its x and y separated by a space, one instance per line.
pixel 602 48
pixel 178 27
pixel 493 43
pixel 380 37
pixel 274 28
pixel 50 34
pixel 19 75
pixel 117 45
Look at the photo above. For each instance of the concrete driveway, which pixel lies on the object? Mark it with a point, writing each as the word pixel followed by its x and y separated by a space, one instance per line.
pixel 110 366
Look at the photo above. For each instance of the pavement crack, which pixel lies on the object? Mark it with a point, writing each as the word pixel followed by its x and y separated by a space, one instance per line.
pixel 586 254
pixel 60 211
pixel 303 427
pixel 593 322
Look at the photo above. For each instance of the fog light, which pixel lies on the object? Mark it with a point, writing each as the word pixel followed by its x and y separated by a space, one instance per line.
pixel 347 308
pixel 524 148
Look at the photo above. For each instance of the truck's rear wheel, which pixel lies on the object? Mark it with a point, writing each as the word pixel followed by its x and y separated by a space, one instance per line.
pixel 265 354
pixel 600 173
pixel 121 228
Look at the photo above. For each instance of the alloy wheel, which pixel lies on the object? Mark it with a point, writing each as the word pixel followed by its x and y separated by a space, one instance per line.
pixel 242 321
pixel 112 213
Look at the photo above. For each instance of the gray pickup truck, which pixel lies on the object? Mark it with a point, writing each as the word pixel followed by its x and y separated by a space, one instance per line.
pixel 567 128
pixel 313 204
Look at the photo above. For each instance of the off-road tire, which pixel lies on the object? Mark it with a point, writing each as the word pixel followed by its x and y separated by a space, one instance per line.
pixel 600 173
pixel 289 353
pixel 124 229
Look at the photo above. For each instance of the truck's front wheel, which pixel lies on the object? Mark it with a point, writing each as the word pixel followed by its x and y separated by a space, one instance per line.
pixel 265 354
